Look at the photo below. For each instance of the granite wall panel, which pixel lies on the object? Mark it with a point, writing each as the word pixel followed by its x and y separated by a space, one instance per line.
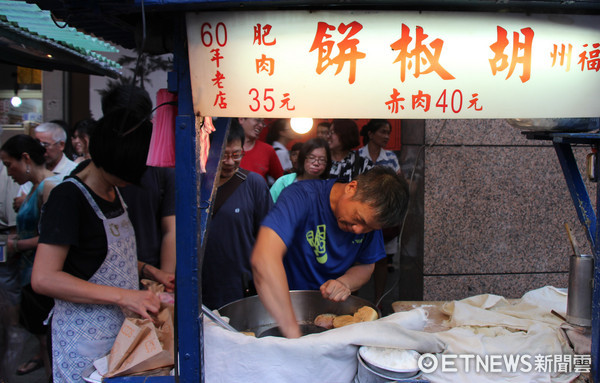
pixel 511 286
pixel 495 204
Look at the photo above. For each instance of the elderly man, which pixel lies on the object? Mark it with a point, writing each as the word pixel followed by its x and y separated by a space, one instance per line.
pixel 241 203
pixel 324 235
pixel 52 137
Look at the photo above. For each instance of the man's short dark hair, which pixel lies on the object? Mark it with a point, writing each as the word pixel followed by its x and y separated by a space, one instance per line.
pixel 119 144
pixel 385 191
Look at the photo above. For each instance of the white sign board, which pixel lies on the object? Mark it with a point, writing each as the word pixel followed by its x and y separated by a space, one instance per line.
pixel 394 64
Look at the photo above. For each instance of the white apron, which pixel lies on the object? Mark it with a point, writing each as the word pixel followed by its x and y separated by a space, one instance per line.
pixel 82 333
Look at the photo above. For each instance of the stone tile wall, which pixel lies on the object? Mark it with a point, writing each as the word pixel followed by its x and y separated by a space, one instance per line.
pixel 493 207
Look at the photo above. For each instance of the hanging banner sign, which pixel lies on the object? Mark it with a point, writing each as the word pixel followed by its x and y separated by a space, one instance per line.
pixel 394 64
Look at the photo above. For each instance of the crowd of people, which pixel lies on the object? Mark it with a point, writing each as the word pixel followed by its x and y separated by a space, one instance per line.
pixel 76 255
pixel 307 240
pixel 85 219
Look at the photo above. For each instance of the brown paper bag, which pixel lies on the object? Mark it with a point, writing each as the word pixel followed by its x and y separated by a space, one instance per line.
pixel 153 286
pixel 141 346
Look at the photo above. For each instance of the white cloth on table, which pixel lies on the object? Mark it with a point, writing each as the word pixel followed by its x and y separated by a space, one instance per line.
pixel 325 357
pixel 490 325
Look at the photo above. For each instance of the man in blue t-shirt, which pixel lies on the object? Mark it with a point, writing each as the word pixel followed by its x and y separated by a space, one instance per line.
pixel 324 235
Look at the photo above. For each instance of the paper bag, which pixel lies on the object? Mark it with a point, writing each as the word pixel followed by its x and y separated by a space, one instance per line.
pixel 153 286
pixel 141 346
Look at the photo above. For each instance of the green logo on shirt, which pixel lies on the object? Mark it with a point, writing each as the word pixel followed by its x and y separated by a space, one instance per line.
pixel 317 242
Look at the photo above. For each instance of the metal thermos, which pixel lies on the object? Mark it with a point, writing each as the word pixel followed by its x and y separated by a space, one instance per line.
pixel 579 299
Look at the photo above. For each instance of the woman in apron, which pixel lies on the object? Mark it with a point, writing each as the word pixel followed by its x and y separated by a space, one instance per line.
pixel 87 257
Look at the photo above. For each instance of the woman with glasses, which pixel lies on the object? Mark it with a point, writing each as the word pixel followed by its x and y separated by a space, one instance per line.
pixel 314 161
pixel 87 255
pixel 24 159
pixel 347 164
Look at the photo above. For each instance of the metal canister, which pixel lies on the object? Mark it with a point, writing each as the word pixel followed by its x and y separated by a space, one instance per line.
pixel 579 298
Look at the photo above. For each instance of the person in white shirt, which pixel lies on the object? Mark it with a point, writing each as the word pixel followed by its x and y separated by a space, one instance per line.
pixel 280 134
pixel 53 137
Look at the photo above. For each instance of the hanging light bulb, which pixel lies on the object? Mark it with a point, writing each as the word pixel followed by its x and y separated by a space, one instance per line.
pixel 16 101
pixel 301 125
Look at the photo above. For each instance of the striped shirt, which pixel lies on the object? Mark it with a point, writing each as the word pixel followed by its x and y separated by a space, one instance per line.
pixel 386 158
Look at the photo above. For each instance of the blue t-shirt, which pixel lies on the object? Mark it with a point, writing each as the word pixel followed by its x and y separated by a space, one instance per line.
pixel 317 249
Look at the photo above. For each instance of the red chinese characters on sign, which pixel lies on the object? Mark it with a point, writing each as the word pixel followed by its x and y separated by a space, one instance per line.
pixel 266 101
pixel 285 102
pixel 420 55
pixel 393 104
pixel 210 37
pixel 220 100
pixel 261 34
pixel 421 100
pixel 521 53
pixel 265 64
pixel 262 37
pixel 473 102
pixel 348 48
pixel 590 60
pixel 216 56
pixel 218 80
pixel 563 55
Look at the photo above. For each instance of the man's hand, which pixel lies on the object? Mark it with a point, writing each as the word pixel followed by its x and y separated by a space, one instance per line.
pixel 335 290
pixel 339 289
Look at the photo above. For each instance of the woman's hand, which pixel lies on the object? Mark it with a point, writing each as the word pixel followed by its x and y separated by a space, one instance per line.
pixel 10 244
pixel 167 279
pixel 151 272
pixel 335 290
pixel 142 302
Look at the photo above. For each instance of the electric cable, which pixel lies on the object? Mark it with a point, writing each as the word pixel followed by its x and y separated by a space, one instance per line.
pixel 412 175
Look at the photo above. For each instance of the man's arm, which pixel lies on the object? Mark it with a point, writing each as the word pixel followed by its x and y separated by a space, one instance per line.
pixel 271 282
pixel 340 289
